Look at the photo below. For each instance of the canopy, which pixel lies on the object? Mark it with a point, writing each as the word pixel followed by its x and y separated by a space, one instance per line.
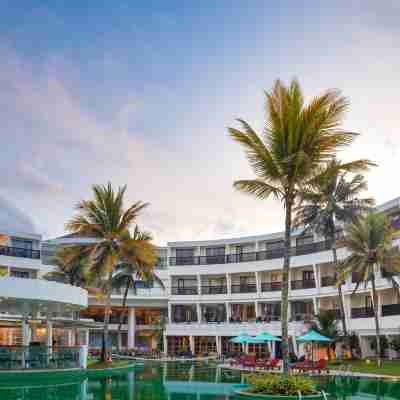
pixel 267 337
pixel 313 336
pixel 241 338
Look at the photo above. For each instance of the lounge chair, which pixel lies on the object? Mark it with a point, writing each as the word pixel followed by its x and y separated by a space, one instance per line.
pixel 274 363
pixel 318 366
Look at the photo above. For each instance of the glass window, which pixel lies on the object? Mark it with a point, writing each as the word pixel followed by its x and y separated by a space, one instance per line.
pixel 19 274
pixel 275 244
pixel 215 251
pixel 22 243
pixel 304 240
pixel 187 252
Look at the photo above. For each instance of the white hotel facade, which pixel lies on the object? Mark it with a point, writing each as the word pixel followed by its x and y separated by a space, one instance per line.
pixel 213 291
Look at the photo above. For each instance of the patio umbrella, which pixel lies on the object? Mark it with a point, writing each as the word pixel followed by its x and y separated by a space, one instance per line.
pixel 313 337
pixel 244 339
pixel 267 337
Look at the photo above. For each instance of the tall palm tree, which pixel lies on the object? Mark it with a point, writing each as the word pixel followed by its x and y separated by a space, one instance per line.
pixel 298 139
pixel 369 241
pixel 72 266
pixel 107 222
pixel 127 275
pixel 332 201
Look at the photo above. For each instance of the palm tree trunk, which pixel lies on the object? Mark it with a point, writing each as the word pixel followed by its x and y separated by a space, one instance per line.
pixel 107 312
pixel 377 328
pixel 285 285
pixel 121 318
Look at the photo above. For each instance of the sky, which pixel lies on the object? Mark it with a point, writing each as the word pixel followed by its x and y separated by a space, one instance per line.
pixel 142 92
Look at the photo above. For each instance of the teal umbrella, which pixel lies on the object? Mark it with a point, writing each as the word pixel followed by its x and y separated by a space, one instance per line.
pixel 267 337
pixel 244 339
pixel 313 337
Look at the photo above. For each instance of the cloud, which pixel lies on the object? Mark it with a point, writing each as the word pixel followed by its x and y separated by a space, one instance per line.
pixel 13 219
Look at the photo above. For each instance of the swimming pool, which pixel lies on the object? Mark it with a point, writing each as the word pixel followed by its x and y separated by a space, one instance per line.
pixel 177 381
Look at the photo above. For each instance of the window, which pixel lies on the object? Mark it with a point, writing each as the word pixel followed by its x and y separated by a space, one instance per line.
pixel 215 251
pixel 308 275
pixel 19 274
pixel 22 243
pixel 300 241
pixel 275 244
pixel 368 302
pixel 187 252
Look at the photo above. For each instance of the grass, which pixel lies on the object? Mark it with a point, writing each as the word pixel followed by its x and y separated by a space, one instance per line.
pixel 96 364
pixel 390 367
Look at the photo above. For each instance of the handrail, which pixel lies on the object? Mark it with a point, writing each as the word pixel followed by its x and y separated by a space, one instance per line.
pixel 250 256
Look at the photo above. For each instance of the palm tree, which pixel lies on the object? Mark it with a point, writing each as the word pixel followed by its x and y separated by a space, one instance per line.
pixel 327 325
pixel 127 274
pixel 331 201
pixel 298 140
pixel 369 241
pixel 105 220
pixel 72 266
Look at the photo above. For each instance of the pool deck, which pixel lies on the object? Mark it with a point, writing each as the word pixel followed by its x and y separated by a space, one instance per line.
pixel 331 372
pixel 164 359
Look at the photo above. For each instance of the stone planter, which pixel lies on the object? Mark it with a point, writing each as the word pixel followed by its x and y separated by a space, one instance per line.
pixel 243 393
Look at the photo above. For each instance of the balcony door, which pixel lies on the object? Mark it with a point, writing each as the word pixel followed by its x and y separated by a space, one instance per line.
pixel 308 275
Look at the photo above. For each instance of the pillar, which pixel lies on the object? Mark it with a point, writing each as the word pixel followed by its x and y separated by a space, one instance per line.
pixel 295 349
pixel 218 342
pixel 191 344
pixel 198 311
pixel 49 333
pixel 165 342
pixel 170 313
pixel 315 305
pixel 228 312
pixel 26 333
pixel 198 284
pixel 273 350
pixel 378 294
pixel 87 337
pixel 228 284
pixel 258 283
pixel 316 276
pixel 256 305
pixel 131 328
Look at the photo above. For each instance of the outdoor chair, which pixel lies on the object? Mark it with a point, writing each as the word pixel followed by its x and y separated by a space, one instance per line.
pixel 274 363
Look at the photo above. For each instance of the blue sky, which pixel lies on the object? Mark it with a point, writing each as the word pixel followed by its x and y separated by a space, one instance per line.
pixel 141 93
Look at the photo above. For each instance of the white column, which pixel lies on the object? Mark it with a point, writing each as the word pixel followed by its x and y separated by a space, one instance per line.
pixel 191 344
pixel 87 337
pixel 170 313
pixel 70 338
pixel 347 310
pixel 198 284
pixel 257 309
pixel 26 333
pixel 295 349
pixel 273 350
pixel 315 306
pixel 165 340
pixel 198 310
pixel 228 312
pixel 219 345
pixel 49 334
pixel 258 283
pixel 131 328
pixel 378 294
pixel 228 284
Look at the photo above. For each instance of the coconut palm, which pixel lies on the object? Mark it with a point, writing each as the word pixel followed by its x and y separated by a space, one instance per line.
pixel 330 202
pixel 105 220
pixel 72 266
pixel 369 241
pixel 127 275
pixel 298 140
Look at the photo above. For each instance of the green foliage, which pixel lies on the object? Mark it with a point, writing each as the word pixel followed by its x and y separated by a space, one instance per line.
pixel 384 344
pixel 281 385
pixel 395 343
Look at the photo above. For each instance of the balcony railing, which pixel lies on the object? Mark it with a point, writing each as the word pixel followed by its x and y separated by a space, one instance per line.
pixel 390 309
pixel 302 317
pixel 244 288
pixel 184 290
pixel 388 274
pixel 334 311
pixel 362 312
pixel 19 252
pixel 303 284
pixel 250 256
pixel 356 277
pixel 214 289
pixel 328 281
pixel 271 286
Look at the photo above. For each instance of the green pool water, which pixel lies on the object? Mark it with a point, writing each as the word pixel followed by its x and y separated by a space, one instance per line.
pixel 175 381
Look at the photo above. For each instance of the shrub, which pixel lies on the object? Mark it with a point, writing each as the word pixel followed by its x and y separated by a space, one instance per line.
pixel 281 385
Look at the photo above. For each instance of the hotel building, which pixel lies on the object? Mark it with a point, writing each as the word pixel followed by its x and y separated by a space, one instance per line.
pixel 214 290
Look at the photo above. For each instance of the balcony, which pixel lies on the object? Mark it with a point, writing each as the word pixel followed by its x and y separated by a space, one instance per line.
pixel 190 290
pixel 362 312
pixel 214 289
pixel 335 311
pixel 388 274
pixel 271 286
pixel 390 309
pixel 250 256
pixel 328 281
pixel 244 288
pixel 19 252
pixel 303 284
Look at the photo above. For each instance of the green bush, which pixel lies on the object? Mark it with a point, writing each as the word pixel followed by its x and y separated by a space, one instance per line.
pixel 281 385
